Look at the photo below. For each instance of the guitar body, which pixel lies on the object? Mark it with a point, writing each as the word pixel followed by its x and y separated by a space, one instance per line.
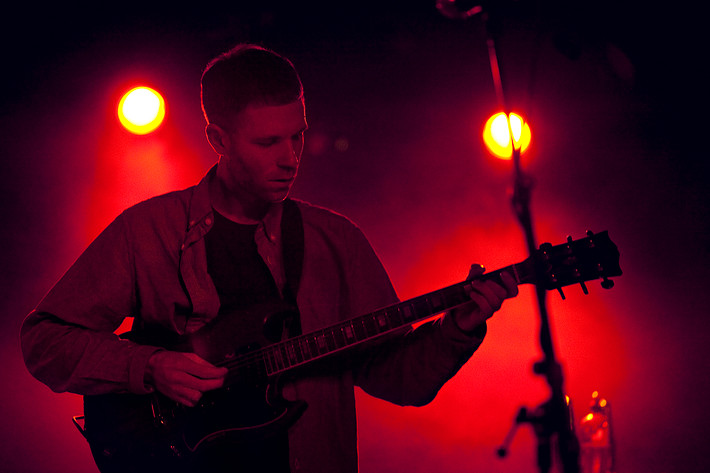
pixel 138 433
pixel 149 433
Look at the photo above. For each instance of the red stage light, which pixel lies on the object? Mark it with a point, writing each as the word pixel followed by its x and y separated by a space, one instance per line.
pixel 141 110
pixel 496 135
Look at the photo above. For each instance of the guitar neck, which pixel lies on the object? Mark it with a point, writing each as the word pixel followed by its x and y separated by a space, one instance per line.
pixel 550 267
pixel 301 350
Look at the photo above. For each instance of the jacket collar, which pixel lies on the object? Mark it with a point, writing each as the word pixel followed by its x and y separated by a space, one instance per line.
pixel 201 214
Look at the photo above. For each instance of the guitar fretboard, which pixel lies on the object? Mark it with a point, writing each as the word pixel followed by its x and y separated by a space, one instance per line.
pixel 298 351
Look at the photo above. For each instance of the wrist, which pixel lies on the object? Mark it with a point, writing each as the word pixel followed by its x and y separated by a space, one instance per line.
pixel 149 374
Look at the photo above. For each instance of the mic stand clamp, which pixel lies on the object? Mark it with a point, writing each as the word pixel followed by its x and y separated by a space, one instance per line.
pixel 537 419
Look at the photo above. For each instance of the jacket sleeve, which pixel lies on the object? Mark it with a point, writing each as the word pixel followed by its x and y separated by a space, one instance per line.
pixel 68 341
pixel 409 367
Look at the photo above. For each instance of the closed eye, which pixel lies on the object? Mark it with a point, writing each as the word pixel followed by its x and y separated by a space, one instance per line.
pixel 273 140
pixel 266 144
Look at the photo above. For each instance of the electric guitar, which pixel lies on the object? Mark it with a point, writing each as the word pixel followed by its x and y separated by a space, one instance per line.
pixel 135 433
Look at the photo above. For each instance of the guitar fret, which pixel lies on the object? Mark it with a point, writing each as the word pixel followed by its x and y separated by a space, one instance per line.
pixel 278 358
pixel 283 351
pixel 293 353
pixel 268 361
pixel 455 296
pixel 305 348
pixel 339 338
pixel 437 303
pixel 395 316
pixel 321 343
pixel 421 307
pixel 348 333
pixel 359 329
pixel 368 322
pixel 313 344
pixel 351 324
pixel 383 322
pixel 330 340
pixel 288 353
pixel 298 348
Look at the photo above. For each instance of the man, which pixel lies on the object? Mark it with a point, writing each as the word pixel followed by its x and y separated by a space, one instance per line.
pixel 184 260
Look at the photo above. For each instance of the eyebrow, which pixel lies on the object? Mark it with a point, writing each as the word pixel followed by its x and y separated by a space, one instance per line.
pixel 278 137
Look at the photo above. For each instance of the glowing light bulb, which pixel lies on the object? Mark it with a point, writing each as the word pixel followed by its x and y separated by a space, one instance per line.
pixel 496 135
pixel 141 110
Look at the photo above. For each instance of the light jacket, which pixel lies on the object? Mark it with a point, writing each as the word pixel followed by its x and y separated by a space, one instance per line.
pixel 150 263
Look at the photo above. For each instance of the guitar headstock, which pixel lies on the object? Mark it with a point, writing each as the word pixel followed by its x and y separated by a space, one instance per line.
pixel 577 261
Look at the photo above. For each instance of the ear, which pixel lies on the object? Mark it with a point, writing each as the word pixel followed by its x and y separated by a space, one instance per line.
pixel 218 138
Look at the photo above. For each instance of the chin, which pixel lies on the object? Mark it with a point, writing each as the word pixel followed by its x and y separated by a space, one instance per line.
pixel 278 198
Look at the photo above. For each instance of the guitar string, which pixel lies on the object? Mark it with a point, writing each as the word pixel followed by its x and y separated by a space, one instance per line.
pixel 280 351
pixel 258 358
pixel 259 355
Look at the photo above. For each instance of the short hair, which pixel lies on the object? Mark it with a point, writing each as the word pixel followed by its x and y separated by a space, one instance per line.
pixel 245 75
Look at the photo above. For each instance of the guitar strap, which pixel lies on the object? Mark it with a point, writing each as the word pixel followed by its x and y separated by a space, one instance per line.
pixel 292 246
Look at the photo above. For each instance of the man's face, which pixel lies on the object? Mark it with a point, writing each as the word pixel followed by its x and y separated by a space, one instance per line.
pixel 263 151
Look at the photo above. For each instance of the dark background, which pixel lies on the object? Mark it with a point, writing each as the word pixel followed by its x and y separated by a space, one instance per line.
pixel 396 96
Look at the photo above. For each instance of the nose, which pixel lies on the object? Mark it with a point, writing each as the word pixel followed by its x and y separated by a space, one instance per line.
pixel 291 155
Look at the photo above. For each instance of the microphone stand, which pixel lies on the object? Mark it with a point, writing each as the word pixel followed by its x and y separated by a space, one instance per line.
pixel 552 420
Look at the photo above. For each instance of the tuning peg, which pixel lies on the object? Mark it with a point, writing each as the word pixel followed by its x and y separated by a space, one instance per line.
pixel 607 283
pixel 562 294
pixel 584 288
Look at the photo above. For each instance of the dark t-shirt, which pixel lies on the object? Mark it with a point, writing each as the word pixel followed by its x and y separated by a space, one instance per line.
pixel 243 281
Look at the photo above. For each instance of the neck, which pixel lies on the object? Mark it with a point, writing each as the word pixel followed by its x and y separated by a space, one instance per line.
pixel 235 205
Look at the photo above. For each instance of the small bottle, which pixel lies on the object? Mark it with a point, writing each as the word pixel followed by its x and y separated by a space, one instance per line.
pixel 595 437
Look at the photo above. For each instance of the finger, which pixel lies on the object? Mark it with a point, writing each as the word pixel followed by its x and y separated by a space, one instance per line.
pixel 209 384
pixel 182 379
pixel 188 397
pixel 201 368
pixel 189 390
pixel 509 283
pixel 481 304
pixel 488 295
pixel 475 271
pixel 492 292
pixel 476 292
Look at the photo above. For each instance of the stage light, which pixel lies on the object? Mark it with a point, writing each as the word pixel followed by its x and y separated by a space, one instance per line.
pixel 141 110
pixel 496 135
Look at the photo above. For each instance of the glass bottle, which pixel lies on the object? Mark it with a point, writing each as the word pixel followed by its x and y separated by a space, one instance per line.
pixel 595 437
